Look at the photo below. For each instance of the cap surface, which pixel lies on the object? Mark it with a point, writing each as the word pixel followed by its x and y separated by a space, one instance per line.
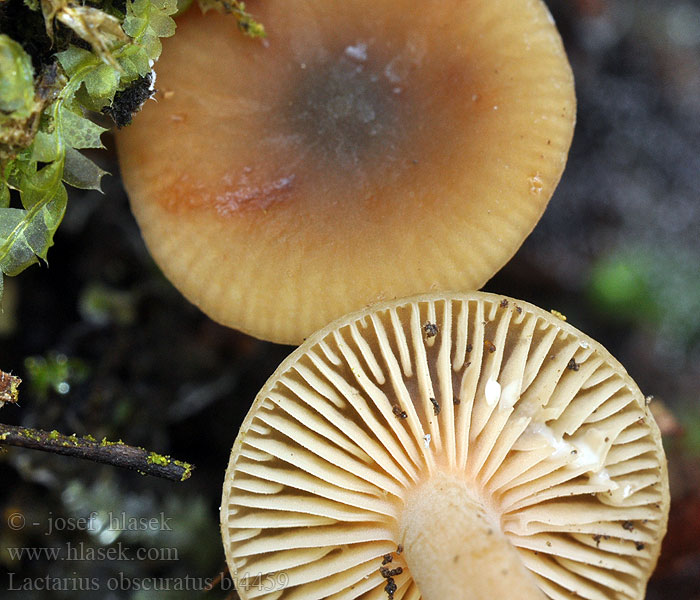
pixel 473 395
pixel 366 149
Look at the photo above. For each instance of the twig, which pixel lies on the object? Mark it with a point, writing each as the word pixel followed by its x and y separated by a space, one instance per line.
pixel 117 454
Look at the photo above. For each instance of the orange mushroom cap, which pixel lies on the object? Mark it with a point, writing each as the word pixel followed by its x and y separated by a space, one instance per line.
pixel 363 151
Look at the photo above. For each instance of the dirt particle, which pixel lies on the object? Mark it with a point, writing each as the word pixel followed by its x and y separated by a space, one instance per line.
pixel 504 303
pixel 639 546
pixel 436 406
pixel 489 346
pixel 401 414
pixel 628 525
pixel 573 365
pixel 386 559
pixel 430 329
pixel 390 588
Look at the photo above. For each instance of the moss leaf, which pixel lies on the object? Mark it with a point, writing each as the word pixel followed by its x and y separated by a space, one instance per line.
pixel 81 172
pixel 17 81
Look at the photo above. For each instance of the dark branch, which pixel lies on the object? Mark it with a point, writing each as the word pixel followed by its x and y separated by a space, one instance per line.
pixel 117 454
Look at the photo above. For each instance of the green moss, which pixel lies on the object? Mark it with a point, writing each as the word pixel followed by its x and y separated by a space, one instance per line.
pixel 55 373
pixel 19 111
pixel 164 461
pixel 246 23
pixel 158 459
pixel 186 467
pixel 30 434
pixel 620 285
pixel 104 442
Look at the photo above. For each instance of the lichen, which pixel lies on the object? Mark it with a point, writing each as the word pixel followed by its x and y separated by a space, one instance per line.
pixel 29 434
pixel 104 442
pixel 158 459
pixel 186 467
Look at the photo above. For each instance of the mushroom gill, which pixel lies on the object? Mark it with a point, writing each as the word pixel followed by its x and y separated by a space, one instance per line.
pixel 446 446
pixel 367 149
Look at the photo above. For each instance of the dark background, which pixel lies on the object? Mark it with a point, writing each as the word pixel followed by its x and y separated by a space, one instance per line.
pixel 107 347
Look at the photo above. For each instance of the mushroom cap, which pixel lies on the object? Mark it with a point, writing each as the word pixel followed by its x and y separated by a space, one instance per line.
pixel 422 402
pixel 366 149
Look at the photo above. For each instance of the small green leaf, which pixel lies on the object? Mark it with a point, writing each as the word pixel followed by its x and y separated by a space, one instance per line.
pixel 17 81
pixel 28 234
pixel 37 185
pixel 620 285
pixel 151 44
pixel 15 255
pixel 135 62
pixel 162 24
pixel 75 59
pixel 79 131
pixel 4 198
pixel 168 7
pixel 81 172
pixel 102 83
pixel 46 147
pixel 134 25
pixel 147 21
pixel 53 372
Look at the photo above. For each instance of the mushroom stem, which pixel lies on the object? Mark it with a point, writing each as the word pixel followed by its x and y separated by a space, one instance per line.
pixel 455 549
